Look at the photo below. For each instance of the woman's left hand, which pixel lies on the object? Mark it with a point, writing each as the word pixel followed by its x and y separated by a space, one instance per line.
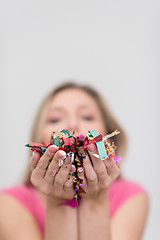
pixel 97 177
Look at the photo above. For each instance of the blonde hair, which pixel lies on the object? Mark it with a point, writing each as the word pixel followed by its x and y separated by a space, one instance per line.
pixel 111 123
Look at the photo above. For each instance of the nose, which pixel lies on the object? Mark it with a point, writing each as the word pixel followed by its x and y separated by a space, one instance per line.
pixel 73 124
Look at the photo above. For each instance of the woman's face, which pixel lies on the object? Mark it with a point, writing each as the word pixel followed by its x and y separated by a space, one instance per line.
pixel 75 110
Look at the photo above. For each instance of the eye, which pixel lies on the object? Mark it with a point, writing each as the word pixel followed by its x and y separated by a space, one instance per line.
pixel 54 120
pixel 88 118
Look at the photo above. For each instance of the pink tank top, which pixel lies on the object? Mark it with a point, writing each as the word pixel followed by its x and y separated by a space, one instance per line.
pixel 118 193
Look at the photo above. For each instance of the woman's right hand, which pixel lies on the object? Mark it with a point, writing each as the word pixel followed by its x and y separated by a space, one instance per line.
pixel 53 181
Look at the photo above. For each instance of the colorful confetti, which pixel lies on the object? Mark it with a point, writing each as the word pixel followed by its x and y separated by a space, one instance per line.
pixel 75 148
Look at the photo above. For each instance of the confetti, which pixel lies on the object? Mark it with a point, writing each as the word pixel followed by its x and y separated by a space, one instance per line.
pixel 75 148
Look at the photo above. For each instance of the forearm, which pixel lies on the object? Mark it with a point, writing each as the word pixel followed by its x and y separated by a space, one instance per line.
pixel 94 220
pixel 60 222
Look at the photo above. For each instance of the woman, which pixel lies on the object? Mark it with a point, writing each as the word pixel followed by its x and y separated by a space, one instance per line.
pixel 112 208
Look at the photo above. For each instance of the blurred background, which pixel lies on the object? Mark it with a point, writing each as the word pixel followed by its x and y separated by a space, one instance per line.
pixel 110 45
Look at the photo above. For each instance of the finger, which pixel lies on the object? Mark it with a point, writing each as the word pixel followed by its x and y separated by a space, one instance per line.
pixel 112 168
pixel 90 174
pixel 53 167
pixel 68 186
pixel 40 170
pixel 73 169
pixel 34 159
pixel 81 175
pixel 98 164
pixel 62 174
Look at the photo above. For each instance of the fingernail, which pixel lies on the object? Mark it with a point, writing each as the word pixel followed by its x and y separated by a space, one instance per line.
pixel 63 154
pixel 67 160
pixel 53 148
pixel 73 168
pixel 83 152
pixel 33 154
pixel 82 184
pixel 80 169
pixel 60 162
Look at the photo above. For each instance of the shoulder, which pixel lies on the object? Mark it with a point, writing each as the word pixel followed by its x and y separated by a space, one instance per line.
pixel 121 191
pixel 131 210
pixel 26 195
pixel 123 184
pixel 18 191
pixel 16 205
pixel 15 220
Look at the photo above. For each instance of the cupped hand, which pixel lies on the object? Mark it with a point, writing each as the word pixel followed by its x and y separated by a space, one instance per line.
pixel 97 175
pixel 51 179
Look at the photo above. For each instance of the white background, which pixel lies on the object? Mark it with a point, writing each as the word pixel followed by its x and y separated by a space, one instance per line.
pixel 111 45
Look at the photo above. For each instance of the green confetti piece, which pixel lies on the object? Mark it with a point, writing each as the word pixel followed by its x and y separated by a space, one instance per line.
pixel 56 141
pixel 43 149
pixel 72 134
pixel 27 145
pixel 100 144
pixel 65 131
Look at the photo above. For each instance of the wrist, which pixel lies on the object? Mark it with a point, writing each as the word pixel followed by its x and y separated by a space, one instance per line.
pixel 96 202
pixel 94 209
pixel 99 198
pixel 52 203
